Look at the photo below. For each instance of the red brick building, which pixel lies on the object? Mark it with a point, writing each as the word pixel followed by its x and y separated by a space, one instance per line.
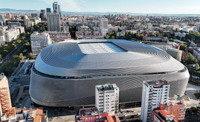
pixel 173 111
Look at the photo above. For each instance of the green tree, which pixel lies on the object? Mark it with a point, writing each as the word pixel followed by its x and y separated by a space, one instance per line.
pixel 197 66
pixel 30 55
pixel 112 37
pixel 183 46
pixel 191 59
pixel 21 57
pixel 1 57
pixel 107 37
pixel 19 41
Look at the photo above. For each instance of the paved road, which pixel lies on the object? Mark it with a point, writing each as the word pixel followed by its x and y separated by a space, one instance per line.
pixel 190 91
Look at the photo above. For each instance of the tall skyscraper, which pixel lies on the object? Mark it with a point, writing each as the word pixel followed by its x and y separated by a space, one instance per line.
pixel 5 101
pixel 107 98
pixel 59 11
pixel 42 14
pixel 48 10
pixel 153 93
pixel 56 8
pixel 53 22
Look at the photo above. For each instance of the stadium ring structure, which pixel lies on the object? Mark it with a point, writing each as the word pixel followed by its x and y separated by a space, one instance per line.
pixel 66 73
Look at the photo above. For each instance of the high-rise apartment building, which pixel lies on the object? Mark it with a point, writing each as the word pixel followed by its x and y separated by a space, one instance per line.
pixel 39 41
pixel 5 101
pixel 104 23
pixel 53 22
pixel 104 26
pixel 107 98
pixel 153 93
pixel 27 22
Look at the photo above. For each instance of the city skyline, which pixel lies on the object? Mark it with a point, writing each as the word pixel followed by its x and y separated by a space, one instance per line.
pixel 132 6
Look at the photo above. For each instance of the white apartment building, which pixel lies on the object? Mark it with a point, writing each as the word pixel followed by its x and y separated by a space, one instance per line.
pixel 104 23
pixel 39 41
pixel 2 37
pixel 107 98
pixel 104 32
pixel 27 22
pixel 153 93
pixel 11 34
pixel 20 28
pixel 53 22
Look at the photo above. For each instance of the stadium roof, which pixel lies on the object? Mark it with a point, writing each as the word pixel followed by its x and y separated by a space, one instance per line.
pixel 103 57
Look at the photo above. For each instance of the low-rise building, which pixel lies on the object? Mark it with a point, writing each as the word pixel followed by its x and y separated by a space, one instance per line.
pixel 93 115
pixel 196 53
pixel 88 35
pixel 39 41
pixel 179 34
pixel 173 111
pixel 158 39
pixel 59 36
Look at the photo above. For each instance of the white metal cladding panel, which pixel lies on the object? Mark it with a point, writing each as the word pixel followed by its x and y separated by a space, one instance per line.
pixel 64 92
pixel 66 59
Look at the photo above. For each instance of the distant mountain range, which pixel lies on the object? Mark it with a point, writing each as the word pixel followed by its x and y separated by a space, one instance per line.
pixel 5 10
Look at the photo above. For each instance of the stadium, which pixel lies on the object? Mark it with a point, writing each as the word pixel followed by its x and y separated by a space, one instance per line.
pixel 66 73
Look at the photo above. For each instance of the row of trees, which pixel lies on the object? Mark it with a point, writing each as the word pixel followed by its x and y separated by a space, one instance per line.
pixel 10 66
pixel 10 46
pixel 136 36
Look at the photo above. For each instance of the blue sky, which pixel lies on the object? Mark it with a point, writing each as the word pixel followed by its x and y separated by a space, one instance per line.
pixel 134 6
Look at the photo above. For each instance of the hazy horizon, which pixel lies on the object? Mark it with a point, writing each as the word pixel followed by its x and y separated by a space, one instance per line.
pixel 121 6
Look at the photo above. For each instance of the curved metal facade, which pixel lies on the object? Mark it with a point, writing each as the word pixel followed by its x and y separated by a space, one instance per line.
pixel 64 76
